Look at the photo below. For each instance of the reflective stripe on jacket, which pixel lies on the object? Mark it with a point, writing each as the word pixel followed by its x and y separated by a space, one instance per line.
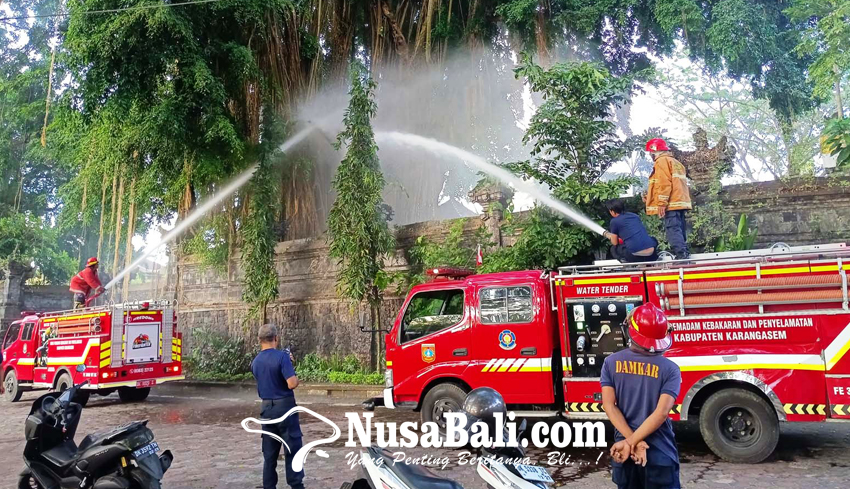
pixel 668 186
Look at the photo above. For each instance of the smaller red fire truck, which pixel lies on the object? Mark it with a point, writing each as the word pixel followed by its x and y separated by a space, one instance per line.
pixel 761 337
pixel 127 347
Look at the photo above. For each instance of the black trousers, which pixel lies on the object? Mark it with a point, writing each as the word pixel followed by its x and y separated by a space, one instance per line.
pixel 290 431
pixel 633 476
pixel 675 227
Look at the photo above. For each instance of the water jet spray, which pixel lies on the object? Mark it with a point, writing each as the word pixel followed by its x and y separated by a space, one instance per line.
pixel 538 193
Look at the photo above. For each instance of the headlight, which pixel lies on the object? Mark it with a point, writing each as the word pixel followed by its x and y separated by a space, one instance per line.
pixel 388 378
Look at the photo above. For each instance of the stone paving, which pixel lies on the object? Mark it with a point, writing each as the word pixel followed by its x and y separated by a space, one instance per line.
pixel 201 427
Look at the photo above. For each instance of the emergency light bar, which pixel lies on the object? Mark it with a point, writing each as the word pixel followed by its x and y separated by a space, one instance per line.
pixel 449 273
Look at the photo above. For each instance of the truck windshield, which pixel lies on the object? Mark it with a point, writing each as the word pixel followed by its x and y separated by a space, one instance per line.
pixel 431 311
pixel 12 335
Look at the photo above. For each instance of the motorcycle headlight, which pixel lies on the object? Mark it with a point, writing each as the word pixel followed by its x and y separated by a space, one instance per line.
pixel 388 378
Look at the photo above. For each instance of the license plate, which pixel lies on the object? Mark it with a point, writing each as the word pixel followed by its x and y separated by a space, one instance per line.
pixel 534 473
pixel 141 384
pixel 149 449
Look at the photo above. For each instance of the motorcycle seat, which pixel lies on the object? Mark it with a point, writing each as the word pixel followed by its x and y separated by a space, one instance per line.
pixel 61 455
pixel 415 475
pixel 100 436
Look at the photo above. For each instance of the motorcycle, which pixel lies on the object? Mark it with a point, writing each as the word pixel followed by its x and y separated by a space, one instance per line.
pixel 123 457
pixel 382 472
pixel 496 465
pixel 497 468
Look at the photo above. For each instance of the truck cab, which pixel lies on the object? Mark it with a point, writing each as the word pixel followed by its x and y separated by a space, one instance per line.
pixel 462 331
pixel 126 347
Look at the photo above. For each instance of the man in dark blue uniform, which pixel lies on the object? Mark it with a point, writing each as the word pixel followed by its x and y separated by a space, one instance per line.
pixel 639 387
pixel 276 380
pixel 630 242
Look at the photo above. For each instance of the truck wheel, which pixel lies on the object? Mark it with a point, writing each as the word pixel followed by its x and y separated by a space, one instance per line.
pixel 444 398
pixel 131 394
pixel 13 389
pixel 739 426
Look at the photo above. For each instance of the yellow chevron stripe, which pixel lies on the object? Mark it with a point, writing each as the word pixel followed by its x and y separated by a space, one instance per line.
pixel 105 354
pixel 106 345
pixel 105 363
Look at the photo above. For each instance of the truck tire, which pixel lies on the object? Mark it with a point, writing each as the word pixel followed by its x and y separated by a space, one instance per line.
pixel 443 398
pixel 131 394
pixel 12 386
pixel 739 426
pixel 65 382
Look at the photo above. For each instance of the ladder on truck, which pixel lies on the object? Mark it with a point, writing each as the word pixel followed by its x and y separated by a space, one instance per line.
pixel 777 253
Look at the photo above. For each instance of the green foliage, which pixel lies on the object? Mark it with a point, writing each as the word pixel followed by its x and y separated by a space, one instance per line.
pixel 454 251
pixel 574 143
pixel 25 240
pixel 837 138
pixel 357 225
pixel 571 134
pixel 724 107
pixel 743 239
pixel 261 282
pixel 218 356
pixel 336 369
pixel 824 40
pixel 258 238
pixel 209 244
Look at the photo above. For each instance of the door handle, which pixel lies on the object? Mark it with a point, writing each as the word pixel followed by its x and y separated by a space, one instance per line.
pixel 460 352
pixel 528 352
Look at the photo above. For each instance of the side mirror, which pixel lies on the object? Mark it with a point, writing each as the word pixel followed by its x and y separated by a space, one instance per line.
pixel 81 368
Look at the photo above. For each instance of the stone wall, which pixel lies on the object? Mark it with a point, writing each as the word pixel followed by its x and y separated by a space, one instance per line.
pixel 796 211
pixel 313 317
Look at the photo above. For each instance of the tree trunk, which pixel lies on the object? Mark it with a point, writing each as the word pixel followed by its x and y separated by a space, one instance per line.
pixel 102 215
pixel 118 215
pixel 83 217
pixel 131 229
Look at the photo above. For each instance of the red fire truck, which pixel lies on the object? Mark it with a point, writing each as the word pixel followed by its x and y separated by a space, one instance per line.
pixel 127 347
pixel 761 337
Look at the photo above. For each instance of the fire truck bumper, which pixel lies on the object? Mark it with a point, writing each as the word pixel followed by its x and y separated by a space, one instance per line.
pixel 137 383
pixel 388 398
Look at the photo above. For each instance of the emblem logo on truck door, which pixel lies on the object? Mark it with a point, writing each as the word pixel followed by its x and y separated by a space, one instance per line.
pixel 429 352
pixel 142 341
pixel 507 340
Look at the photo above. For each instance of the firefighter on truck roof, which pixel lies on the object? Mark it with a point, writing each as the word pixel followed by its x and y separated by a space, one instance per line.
pixel 83 283
pixel 639 388
pixel 668 196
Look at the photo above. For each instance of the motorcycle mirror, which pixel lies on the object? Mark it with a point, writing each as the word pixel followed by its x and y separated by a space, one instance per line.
pixel 81 368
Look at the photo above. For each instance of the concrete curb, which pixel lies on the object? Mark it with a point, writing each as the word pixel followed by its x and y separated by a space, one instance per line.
pixel 361 392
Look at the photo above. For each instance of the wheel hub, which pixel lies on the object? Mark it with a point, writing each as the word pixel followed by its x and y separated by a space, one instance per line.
pixel 442 407
pixel 739 426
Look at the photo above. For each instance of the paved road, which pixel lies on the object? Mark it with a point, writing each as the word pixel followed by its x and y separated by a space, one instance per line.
pixel 201 426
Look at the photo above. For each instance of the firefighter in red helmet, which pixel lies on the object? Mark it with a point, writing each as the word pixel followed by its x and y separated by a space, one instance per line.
pixel 639 388
pixel 667 195
pixel 84 282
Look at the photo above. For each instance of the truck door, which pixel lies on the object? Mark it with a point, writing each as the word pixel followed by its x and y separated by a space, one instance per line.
pixel 512 343
pixel 433 339
pixel 11 350
pixel 26 349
